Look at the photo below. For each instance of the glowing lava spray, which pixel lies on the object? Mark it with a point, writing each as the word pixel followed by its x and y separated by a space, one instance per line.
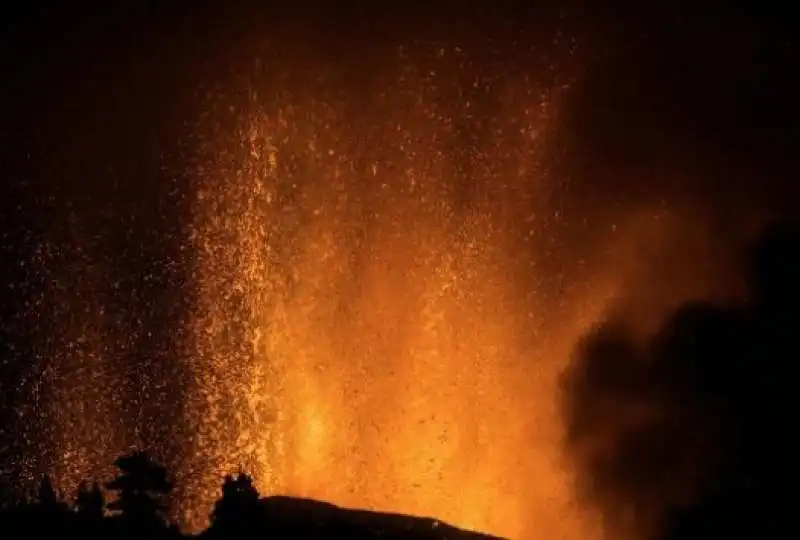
pixel 375 322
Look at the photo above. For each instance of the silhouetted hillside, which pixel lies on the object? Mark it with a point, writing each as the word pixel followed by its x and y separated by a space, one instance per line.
pixel 137 510
pixel 307 518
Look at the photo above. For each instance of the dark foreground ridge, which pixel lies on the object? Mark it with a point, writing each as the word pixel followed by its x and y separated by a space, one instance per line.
pixel 309 518
pixel 137 510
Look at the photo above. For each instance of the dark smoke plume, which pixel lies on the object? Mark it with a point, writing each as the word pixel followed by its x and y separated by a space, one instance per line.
pixel 688 430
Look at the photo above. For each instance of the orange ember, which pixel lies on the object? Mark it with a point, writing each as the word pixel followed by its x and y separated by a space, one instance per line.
pixel 378 323
pixel 385 294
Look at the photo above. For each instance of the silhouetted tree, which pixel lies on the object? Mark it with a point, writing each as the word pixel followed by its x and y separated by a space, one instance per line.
pixel 45 512
pixel 46 496
pixel 238 493
pixel 89 501
pixel 238 508
pixel 141 486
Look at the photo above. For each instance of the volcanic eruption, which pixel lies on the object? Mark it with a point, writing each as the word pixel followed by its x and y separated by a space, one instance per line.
pixel 353 266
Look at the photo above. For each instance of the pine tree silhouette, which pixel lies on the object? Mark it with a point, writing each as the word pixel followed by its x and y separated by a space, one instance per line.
pixel 46 496
pixel 89 501
pixel 141 487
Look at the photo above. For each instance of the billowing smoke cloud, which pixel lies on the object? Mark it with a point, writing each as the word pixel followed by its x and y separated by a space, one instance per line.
pixel 680 431
pixel 686 430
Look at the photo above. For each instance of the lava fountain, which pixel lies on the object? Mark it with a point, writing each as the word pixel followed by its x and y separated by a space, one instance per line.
pixel 383 275
pixel 382 314
pixel 385 281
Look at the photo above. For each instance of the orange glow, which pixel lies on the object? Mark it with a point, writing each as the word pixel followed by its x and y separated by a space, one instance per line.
pixel 79 416
pixel 364 338
pixel 384 302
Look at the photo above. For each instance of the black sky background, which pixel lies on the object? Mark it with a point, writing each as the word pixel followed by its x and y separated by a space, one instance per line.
pixel 700 101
